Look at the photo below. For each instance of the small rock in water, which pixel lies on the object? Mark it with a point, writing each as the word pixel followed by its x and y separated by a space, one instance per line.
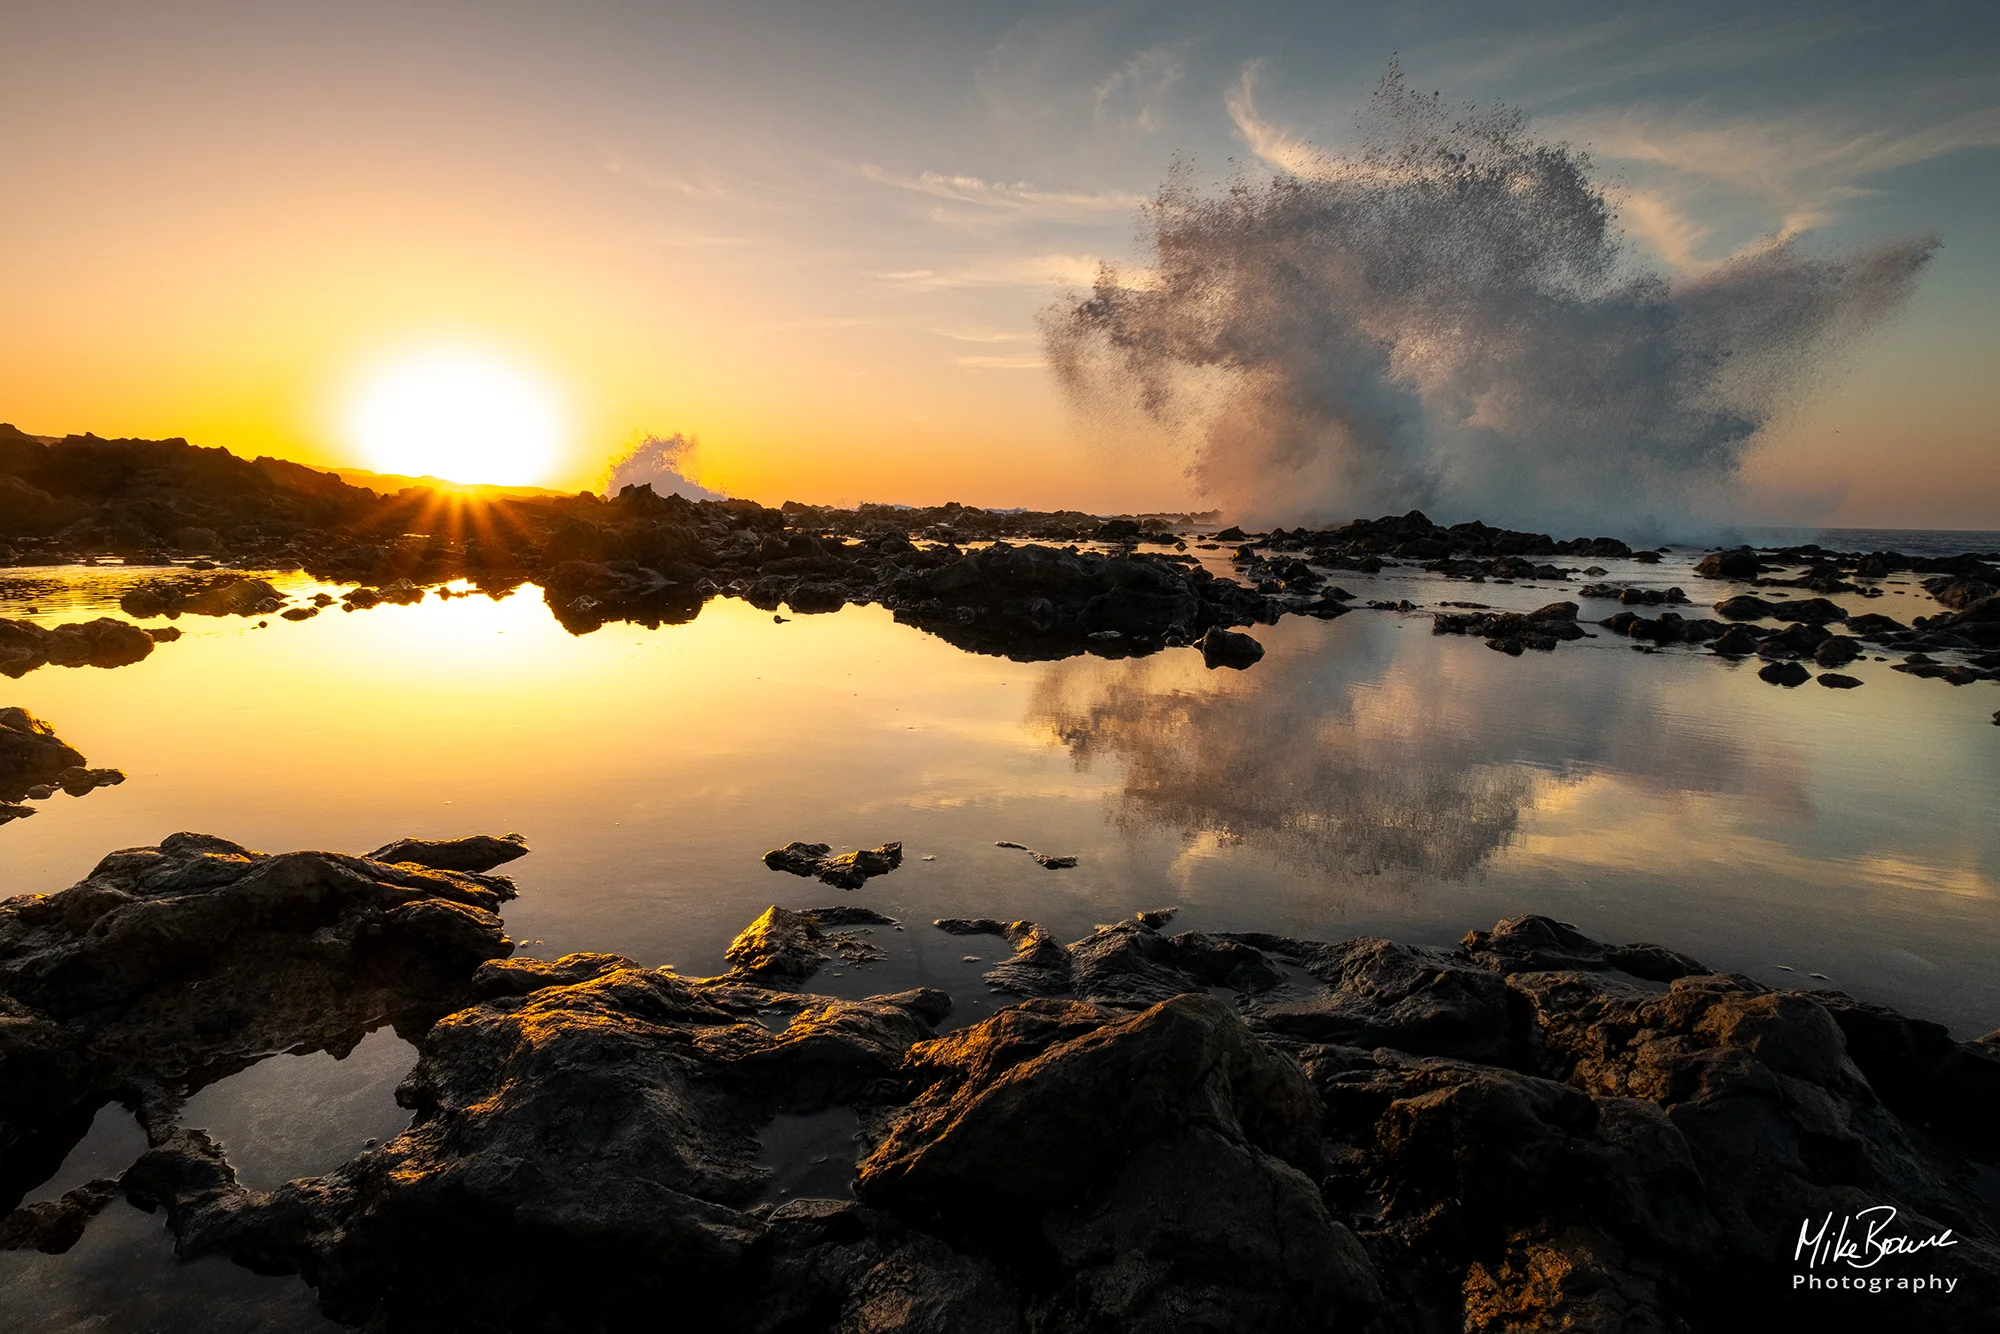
pixel 1785 674
pixel 476 852
pixel 1836 681
pixel 798 858
pixel 1052 862
pixel 1010 843
pixel 850 870
pixel 1229 648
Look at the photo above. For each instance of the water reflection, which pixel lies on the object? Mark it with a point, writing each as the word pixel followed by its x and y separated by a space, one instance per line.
pixel 1381 753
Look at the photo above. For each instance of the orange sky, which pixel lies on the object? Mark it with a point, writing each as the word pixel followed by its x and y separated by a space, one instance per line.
pixel 818 247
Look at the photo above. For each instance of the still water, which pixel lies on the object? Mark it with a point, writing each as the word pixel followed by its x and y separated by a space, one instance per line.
pixel 1366 777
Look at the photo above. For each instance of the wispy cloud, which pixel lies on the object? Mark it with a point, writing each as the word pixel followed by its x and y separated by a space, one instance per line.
pixel 1022 363
pixel 1016 197
pixel 1272 143
pixel 1017 271
pixel 983 336
pixel 1798 169
pixel 1133 95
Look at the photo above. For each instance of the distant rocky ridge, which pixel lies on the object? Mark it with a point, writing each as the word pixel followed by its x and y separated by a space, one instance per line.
pixel 1200 1130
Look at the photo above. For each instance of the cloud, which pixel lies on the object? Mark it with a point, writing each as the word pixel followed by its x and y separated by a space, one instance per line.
pixel 1022 363
pixel 1131 96
pixel 1798 170
pixel 1018 271
pixel 1273 144
pixel 982 336
pixel 1019 197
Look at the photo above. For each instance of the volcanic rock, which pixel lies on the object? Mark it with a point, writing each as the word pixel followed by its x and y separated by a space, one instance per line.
pixel 30 754
pixel 1228 648
pixel 477 852
pixel 1784 674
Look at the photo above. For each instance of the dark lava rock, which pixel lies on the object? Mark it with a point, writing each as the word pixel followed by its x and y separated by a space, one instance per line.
pixel 477 852
pixel 798 858
pixel 850 870
pixel 1534 1131
pixel 1739 564
pixel 104 642
pixel 1836 651
pixel 1958 594
pixel 1837 681
pixel 1784 674
pixel 1536 944
pixel 31 754
pixel 1736 642
pixel 1228 648
pixel 1172 1135
pixel 169 967
pixel 1978 624
pixel 1511 632
pixel 781 944
pixel 1812 611
pixel 587 1153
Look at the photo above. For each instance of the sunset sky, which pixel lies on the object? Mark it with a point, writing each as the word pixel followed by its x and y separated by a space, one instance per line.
pixel 816 236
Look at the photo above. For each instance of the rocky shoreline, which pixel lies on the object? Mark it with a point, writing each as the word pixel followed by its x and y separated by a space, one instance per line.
pixel 986 581
pixel 1165 1130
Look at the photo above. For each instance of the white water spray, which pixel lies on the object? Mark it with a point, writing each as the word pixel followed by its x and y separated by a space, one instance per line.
pixel 1448 318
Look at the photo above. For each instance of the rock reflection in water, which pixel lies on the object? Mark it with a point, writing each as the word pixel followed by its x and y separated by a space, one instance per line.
pixel 1386 755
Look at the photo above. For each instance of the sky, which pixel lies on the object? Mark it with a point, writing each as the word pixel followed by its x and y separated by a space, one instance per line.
pixel 815 237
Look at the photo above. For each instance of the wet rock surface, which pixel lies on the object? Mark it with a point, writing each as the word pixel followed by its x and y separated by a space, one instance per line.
pixel 35 764
pixel 170 967
pixel 847 870
pixel 1175 1130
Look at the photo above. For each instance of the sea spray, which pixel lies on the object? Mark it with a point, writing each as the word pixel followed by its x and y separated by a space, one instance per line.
pixel 1448 317
pixel 661 462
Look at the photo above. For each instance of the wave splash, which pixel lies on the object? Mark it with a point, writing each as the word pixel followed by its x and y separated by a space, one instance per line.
pixel 661 462
pixel 1449 318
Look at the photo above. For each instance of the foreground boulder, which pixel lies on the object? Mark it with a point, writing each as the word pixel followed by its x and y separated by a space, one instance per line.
pixel 169 967
pixel 1188 1131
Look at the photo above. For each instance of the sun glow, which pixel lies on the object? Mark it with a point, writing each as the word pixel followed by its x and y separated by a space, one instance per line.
pixel 463 416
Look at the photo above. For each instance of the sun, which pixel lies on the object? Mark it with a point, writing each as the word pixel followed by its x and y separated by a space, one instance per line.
pixel 464 416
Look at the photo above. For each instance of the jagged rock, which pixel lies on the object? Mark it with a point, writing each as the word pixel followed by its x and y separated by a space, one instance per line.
pixel 585 1153
pixel 476 852
pixel 1536 944
pixel 780 944
pixel 1379 993
pixel 798 858
pixel 53 1226
pixel 850 870
pixel 1740 564
pixel 1228 648
pixel 31 754
pixel 172 966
